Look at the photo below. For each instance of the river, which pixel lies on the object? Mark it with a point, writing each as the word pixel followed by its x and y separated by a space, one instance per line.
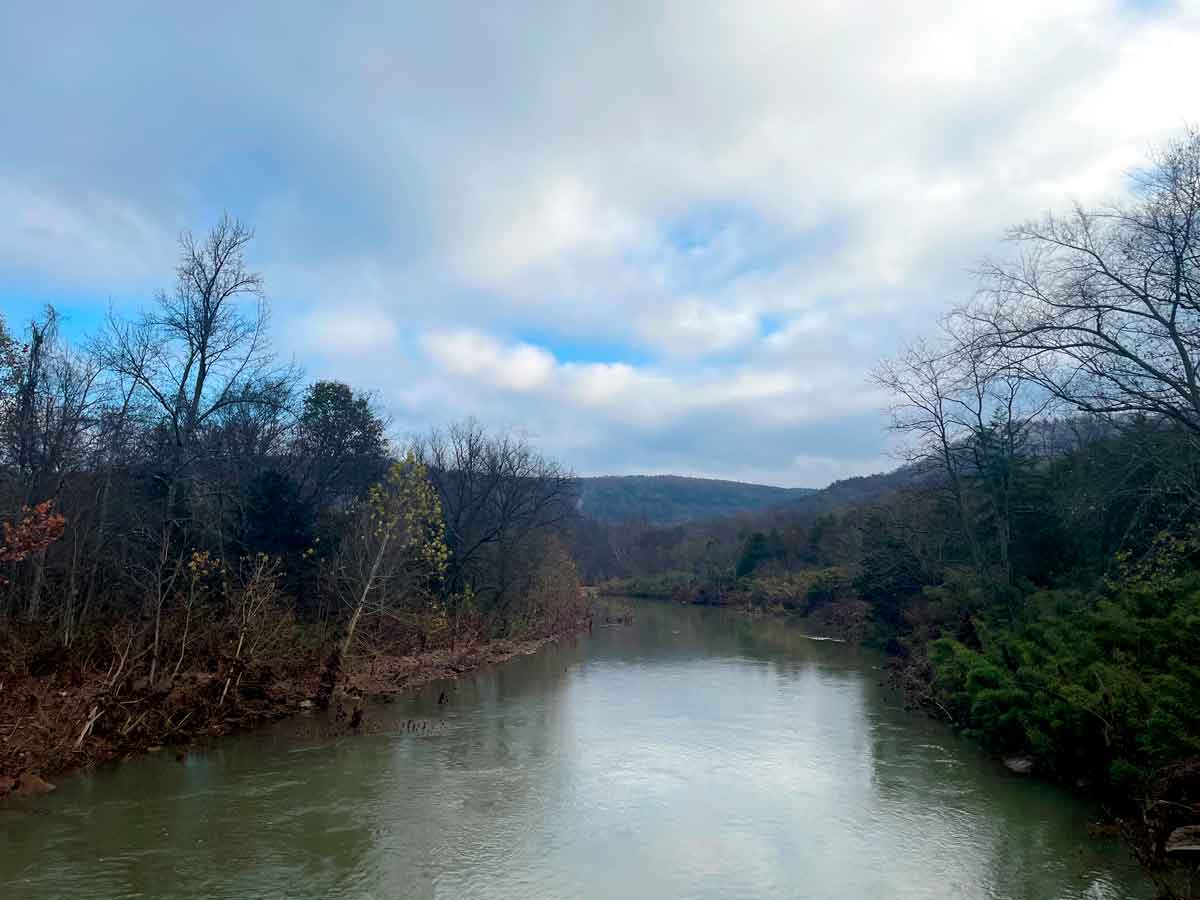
pixel 694 754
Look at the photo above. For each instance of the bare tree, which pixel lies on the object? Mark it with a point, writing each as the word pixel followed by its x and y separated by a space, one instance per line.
pixel 968 412
pixel 928 412
pixel 47 437
pixel 203 348
pixel 1102 307
pixel 496 494
pixel 253 602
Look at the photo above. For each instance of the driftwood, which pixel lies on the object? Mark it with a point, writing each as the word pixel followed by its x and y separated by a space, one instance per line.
pixel 1184 842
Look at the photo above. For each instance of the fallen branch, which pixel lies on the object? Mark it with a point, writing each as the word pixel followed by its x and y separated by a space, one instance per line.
pixel 87 729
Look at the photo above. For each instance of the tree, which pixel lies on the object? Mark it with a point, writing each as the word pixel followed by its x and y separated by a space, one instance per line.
pixel 10 366
pixel 39 527
pixel 27 379
pixel 1102 306
pixel 929 410
pixel 394 553
pixel 277 519
pixel 756 550
pixel 252 599
pixel 240 447
pixel 47 435
pixel 498 495
pixel 341 441
pixel 200 351
pixel 903 547
pixel 968 412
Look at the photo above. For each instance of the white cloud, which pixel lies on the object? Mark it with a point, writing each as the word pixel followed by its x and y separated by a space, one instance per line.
pixel 583 409
pixel 549 218
pixel 345 331
pixel 601 384
pixel 519 367
pixel 693 328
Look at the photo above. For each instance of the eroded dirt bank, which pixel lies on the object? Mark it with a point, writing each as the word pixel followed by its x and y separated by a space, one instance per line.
pixel 64 715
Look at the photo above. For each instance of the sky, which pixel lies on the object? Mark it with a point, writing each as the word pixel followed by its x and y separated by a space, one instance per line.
pixel 654 237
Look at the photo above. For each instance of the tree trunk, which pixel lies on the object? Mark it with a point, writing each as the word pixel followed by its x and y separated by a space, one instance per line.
pixel 35 588
pixel 348 640
pixel 237 654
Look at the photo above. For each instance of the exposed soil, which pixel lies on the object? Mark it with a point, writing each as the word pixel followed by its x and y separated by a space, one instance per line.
pixel 387 675
pixel 63 716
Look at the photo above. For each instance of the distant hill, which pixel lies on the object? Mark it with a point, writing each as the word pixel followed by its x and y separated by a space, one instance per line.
pixel 861 490
pixel 1047 440
pixel 674 499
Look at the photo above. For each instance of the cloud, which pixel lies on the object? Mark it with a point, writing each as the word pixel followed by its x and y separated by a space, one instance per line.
pixel 675 419
pixel 344 332
pixel 469 354
pixel 694 328
pixel 457 205
pixel 78 232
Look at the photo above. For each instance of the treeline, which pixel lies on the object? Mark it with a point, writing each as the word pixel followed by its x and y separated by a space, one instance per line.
pixel 1046 592
pixel 176 499
pixel 673 499
pixel 1035 564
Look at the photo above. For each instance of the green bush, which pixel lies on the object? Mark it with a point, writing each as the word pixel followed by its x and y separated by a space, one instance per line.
pixel 1099 685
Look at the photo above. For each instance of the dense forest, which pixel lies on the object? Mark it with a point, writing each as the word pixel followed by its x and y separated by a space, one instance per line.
pixel 193 536
pixel 674 499
pixel 1034 565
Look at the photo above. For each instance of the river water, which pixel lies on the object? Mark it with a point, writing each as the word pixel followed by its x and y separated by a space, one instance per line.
pixel 694 754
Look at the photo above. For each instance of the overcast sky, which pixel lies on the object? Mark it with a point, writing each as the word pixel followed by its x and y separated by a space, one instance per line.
pixel 657 237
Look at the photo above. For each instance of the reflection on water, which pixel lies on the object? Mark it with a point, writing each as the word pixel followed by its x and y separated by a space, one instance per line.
pixel 694 754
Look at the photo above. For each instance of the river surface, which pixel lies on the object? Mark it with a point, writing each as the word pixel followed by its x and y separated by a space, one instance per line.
pixel 694 754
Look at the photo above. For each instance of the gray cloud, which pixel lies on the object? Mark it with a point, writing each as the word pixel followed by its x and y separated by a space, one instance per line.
pixel 743 210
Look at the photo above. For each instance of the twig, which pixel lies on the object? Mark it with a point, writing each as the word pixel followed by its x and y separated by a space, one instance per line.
pixel 87 729
pixel 175 728
pixel 129 727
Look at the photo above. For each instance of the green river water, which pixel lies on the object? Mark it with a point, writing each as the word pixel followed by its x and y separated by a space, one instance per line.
pixel 694 754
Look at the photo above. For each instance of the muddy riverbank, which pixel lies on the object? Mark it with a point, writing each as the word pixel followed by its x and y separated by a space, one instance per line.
pixel 64 715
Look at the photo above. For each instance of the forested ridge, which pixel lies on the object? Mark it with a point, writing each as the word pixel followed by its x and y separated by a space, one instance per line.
pixel 1033 566
pixel 195 537
pixel 674 499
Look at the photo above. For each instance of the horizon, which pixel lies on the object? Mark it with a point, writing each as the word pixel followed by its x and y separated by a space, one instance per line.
pixel 781 487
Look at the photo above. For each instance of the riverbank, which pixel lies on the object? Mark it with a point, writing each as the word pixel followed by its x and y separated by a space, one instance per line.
pixel 821 601
pixel 638 744
pixel 64 715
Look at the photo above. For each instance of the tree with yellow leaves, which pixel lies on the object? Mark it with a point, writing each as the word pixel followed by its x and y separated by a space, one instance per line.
pixel 394 554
